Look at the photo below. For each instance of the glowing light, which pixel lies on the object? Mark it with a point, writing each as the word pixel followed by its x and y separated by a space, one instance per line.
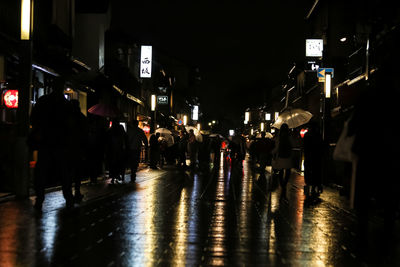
pixel 25 19
pixel 184 120
pixel 153 102
pixel 11 99
pixel 303 132
pixel 328 85
pixel 146 129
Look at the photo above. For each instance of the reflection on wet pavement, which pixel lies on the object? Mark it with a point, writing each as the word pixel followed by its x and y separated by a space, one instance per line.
pixel 227 215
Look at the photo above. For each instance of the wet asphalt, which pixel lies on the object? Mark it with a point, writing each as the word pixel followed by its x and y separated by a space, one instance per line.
pixel 219 216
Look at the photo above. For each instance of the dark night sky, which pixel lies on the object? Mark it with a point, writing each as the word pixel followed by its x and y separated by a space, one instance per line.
pixel 242 50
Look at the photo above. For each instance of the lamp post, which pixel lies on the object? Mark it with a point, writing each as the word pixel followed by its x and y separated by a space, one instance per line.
pixel 326 104
pixel 21 149
pixel 153 113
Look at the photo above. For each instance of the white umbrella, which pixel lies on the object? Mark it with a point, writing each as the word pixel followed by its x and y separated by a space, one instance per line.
pixel 163 130
pixel 293 118
pixel 168 138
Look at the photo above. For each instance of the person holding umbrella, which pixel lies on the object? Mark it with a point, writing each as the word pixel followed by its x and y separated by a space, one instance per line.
pixel 282 162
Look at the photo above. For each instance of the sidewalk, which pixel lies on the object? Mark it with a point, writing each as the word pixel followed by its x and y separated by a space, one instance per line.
pixel 90 191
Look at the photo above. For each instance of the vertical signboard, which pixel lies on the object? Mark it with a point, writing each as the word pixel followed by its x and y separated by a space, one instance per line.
pixel 145 61
pixel 195 113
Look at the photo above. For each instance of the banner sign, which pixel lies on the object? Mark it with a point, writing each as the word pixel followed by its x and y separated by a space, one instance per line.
pixel 145 61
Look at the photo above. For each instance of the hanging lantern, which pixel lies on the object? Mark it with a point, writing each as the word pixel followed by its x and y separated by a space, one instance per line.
pixel 11 98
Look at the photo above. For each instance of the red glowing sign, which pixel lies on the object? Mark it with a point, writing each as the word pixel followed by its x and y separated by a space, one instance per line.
pixel 303 132
pixel 11 98
pixel 146 129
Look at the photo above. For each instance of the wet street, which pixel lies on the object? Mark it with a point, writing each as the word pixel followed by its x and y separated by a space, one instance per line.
pixel 224 216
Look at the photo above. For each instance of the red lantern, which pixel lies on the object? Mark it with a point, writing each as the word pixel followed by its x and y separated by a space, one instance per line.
pixel 11 98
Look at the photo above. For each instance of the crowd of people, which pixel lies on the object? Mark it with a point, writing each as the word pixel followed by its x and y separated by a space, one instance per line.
pixel 72 147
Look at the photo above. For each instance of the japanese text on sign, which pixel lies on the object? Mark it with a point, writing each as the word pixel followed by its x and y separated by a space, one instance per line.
pixel 145 61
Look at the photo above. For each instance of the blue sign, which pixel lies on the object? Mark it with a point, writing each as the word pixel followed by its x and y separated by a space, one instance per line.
pixel 322 71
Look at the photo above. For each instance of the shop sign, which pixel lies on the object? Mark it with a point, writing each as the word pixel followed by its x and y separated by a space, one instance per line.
pixel 162 100
pixel 11 98
pixel 145 61
pixel 314 47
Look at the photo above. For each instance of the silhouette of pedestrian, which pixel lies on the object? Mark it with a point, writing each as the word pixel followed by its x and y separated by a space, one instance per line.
pixel 49 119
pixel 154 150
pixel 136 139
pixel 282 162
pixel 313 155
pixel 79 135
pixel 192 148
pixel 263 149
pixel 115 151
pixel 182 147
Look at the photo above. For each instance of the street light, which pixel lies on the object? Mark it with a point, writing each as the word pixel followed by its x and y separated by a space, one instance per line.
pixel 26 19
pixel 328 85
pixel 153 102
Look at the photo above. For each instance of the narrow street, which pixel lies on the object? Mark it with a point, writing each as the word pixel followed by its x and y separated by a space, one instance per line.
pixel 172 217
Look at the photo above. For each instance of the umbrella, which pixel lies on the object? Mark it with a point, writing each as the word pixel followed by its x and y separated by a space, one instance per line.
pixel 168 138
pixel 216 135
pixel 293 118
pixel 163 130
pixel 105 110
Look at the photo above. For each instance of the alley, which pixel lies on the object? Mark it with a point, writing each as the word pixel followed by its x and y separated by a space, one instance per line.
pixel 170 217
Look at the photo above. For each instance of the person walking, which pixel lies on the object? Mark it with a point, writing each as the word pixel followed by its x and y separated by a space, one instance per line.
pixel 192 148
pixel 154 150
pixel 51 135
pixel 115 151
pixel 282 162
pixel 136 139
pixel 313 155
pixel 79 148
pixel 182 147
pixel 263 150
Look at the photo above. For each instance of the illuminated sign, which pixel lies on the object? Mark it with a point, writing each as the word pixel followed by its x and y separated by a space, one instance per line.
pixel 195 113
pixel 314 47
pixel 145 61
pixel 180 122
pixel 162 99
pixel 11 98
